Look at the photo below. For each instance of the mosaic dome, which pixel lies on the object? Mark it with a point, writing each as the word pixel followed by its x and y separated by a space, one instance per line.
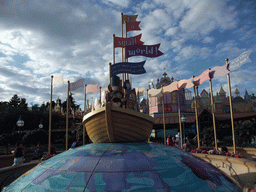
pixel 124 167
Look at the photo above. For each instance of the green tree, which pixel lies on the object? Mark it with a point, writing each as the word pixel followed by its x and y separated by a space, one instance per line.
pixel 42 108
pixel 14 101
pixel 23 105
pixel 35 108
pixel 71 103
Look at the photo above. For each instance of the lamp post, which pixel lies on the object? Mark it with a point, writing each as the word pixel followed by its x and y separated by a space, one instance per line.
pixel 41 126
pixel 183 120
pixel 20 123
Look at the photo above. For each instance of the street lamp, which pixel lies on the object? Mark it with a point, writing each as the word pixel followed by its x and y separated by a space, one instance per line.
pixel 41 126
pixel 20 123
pixel 183 120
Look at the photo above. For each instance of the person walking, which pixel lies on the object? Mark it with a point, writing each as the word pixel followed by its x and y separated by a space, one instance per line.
pixel 178 140
pixel 169 141
pixel 39 151
pixel 18 155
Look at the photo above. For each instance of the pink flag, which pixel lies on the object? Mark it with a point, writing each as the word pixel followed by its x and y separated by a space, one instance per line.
pixel 219 71
pixel 133 26
pixel 143 50
pixel 202 78
pixel 74 86
pixel 122 42
pixel 92 88
pixel 155 92
pixel 170 88
pixel 185 83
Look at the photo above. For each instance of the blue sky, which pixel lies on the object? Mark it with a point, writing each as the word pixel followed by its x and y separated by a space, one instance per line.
pixel 74 38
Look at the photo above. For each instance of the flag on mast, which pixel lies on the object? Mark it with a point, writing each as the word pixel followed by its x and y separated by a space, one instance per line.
pixel 185 83
pixel 74 86
pixel 129 18
pixel 133 26
pixel 170 88
pixel 58 80
pixel 92 88
pixel 239 61
pixel 219 71
pixel 143 50
pixel 122 42
pixel 202 78
pixel 155 92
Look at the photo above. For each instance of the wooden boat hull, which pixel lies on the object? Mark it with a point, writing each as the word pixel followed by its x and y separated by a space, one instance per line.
pixel 110 124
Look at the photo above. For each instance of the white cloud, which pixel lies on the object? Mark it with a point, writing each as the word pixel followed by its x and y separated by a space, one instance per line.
pixel 122 3
pixel 74 38
pixel 228 49
pixel 171 31
pixel 205 16
pixel 208 39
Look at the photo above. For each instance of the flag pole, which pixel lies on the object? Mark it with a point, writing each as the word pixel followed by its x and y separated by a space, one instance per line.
pixel 85 110
pixel 138 100
pixel 109 66
pixel 50 119
pixel 122 35
pixel 197 126
pixel 181 133
pixel 114 49
pixel 67 117
pixel 147 102
pixel 213 116
pixel 126 59
pixel 100 96
pixel 163 117
pixel 231 111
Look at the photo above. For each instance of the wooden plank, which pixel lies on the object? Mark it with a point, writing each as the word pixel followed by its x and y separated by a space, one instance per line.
pixel 129 118
pixel 102 139
pixel 131 131
pixel 97 129
pixel 131 136
pixel 133 113
pixel 95 136
pixel 95 126
pixel 139 125
pixel 109 123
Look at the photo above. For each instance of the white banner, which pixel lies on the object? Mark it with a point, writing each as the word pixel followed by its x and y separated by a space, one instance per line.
pixel 239 61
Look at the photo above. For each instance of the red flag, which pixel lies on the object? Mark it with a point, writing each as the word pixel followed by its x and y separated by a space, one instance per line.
pixel 219 71
pixel 202 78
pixel 133 26
pixel 170 88
pixel 92 88
pixel 122 42
pixel 185 83
pixel 143 50
pixel 129 18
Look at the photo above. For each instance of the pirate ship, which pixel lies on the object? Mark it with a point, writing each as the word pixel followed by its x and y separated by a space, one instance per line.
pixel 119 120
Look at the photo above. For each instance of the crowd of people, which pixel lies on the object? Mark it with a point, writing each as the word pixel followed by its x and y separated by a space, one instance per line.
pixel 39 153
pixel 175 141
